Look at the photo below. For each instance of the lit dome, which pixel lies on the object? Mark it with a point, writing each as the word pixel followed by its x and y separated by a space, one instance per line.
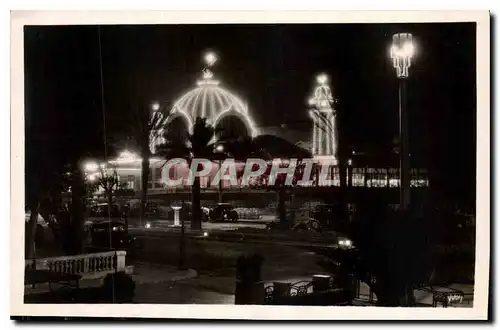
pixel 208 100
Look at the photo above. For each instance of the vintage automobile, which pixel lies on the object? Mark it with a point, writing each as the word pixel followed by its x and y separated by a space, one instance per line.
pixel 222 212
pixel 328 216
pixel 101 211
pixel 151 210
pixel 111 235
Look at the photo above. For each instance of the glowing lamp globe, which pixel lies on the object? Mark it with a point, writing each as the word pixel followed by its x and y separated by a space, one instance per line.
pixel 402 51
pixel 91 167
pixel 210 58
pixel 155 106
pixel 322 79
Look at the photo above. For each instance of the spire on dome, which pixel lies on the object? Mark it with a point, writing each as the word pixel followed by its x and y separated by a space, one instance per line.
pixel 210 58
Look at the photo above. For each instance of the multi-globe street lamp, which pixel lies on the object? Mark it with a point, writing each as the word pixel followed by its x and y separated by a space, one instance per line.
pixel 402 51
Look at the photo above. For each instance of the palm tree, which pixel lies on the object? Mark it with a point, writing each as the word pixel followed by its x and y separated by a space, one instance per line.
pixel 146 126
pixel 77 208
pixel 190 146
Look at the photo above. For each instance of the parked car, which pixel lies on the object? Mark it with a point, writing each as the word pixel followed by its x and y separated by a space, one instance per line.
pixel 101 211
pixel 328 216
pixel 152 210
pixel 223 212
pixel 111 235
pixel 186 211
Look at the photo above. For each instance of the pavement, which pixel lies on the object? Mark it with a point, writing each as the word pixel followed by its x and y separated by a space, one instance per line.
pixel 422 298
pixel 147 273
pixel 148 278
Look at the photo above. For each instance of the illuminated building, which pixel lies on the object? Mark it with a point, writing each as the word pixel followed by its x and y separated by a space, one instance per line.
pixel 324 140
pixel 209 100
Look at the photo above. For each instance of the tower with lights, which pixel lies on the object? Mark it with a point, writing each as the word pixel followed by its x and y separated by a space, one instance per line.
pixel 322 112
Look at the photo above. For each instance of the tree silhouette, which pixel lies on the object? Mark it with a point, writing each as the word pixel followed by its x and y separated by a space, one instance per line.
pixel 190 146
pixel 269 148
pixel 146 126
pixel 392 253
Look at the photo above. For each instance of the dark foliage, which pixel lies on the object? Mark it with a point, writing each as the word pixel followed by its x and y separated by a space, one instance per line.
pixel 392 253
pixel 118 287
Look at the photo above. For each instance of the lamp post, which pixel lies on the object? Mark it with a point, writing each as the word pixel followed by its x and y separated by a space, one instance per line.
pixel 402 50
pixel 349 173
pixel 155 106
pixel 219 149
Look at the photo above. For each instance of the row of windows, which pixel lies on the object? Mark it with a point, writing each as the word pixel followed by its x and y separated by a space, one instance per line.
pixel 361 177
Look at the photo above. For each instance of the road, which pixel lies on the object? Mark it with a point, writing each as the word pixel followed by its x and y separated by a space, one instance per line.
pixel 215 263
pixel 161 224
pixel 214 257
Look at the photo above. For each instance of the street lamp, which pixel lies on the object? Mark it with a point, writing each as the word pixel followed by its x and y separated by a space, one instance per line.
pixel 322 78
pixel 92 177
pixel 220 149
pixel 90 166
pixel 210 58
pixel 155 106
pixel 349 173
pixel 402 51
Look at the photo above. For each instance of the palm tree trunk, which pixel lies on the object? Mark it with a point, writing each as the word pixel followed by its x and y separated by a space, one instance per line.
pixel 196 200
pixel 144 185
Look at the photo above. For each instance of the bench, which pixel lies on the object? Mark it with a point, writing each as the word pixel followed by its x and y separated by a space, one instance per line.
pixel 42 276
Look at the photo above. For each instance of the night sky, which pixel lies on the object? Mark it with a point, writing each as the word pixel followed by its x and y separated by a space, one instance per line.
pixel 272 67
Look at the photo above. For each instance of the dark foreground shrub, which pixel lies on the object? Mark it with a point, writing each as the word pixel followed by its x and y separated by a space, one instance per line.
pixel 118 288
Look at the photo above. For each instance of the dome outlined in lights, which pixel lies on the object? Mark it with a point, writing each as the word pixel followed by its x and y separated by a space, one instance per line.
pixel 210 101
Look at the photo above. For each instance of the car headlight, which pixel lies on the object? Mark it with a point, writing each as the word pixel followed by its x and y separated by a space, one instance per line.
pixel 345 242
pixel 148 225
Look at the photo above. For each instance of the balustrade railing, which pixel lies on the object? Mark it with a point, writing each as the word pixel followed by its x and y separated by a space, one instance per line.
pixel 93 265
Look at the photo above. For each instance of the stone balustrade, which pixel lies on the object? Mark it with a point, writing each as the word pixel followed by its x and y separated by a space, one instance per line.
pixel 89 266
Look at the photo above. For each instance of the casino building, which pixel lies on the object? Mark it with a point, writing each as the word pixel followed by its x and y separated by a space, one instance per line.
pixel 222 108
